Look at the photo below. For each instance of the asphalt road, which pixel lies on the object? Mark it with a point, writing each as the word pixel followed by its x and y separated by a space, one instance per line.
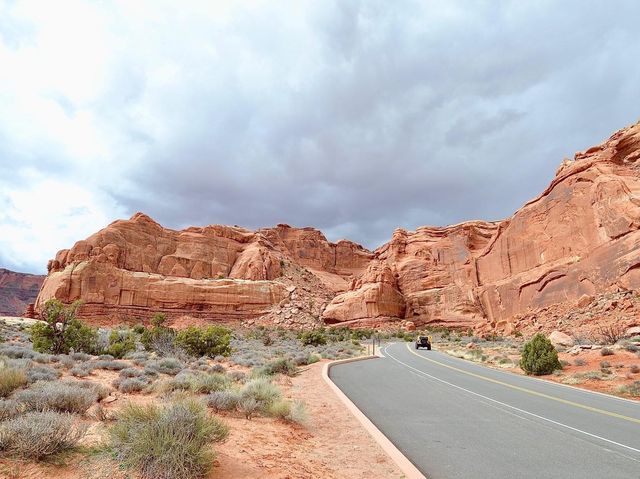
pixel 455 419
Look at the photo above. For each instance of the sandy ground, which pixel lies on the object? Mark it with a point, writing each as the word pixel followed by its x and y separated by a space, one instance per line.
pixel 331 445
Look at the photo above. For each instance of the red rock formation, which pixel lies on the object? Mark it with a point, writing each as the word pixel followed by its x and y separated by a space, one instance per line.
pixel 17 290
pixel 134 267
pixel 580 239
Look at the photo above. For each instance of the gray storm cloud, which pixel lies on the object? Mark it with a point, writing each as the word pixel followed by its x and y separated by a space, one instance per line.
pixel 353 117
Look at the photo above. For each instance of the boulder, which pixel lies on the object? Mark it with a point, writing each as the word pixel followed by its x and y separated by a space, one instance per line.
pixel 584 300
pixel 559 338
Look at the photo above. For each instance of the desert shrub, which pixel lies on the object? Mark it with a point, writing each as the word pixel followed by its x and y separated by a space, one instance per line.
pixel 262 390
pixel 111 365
pixel 634 369
pixel 16 352
pixel 180 382
pixel 81 370
pixel 217 368
pixel 606 352
pixel 605 364
pixel 11 379
pixel 168 366
pixel 130 385
pixel 279 366
pixel 539 356
pixel 61 331
pixel 57 396
pixel 279 409
pixel 138 328
pixel 249 406
pixel 36 435
pixel 632 348
pixel 237 376
pixel 579 362
pixel 207 383
pixel 65 361
pixel 121 342
pixel 223 400
pixel 167 443
pixel 131 373
pixel 632 389
pixel 288 411
pixel 101 391
pixel 315 337
pixel 611 334
pixel 106 357
pixel 9 408
pixel 151 371
pixel 211 341
pixel 80 356
pixel 41 373
pixel 159 337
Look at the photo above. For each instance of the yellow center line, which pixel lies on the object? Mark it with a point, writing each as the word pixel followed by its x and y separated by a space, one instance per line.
pixel 530 391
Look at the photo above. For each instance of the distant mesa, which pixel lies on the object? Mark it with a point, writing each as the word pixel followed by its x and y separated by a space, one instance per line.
pixel 578 239
pixel 17 291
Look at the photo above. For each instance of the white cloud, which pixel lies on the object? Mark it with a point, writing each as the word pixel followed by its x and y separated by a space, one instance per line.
pixel 355 117
pixel 43 216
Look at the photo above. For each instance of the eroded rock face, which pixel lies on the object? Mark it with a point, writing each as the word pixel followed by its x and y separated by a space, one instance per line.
pixel 135 267
pixel 17 291
pixel 579 240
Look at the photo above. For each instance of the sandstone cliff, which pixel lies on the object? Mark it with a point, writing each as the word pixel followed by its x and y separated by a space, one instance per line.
pixel 17 290
pixel 579 237
pixel 134 267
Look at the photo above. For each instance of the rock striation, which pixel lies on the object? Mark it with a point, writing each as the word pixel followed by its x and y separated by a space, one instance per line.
pixel 577 241
pixel 17 291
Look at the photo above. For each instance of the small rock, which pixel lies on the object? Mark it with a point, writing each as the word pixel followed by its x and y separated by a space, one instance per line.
pixel 634 331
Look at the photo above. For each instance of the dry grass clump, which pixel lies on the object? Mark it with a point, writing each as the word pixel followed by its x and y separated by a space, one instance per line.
pixel 11 379
pixel 35 435
pixel 295 411
pixel 632 389
pixel 58 396
pixel 167 443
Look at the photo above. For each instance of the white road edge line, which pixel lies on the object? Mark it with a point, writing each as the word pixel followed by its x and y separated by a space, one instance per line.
pixel 512 407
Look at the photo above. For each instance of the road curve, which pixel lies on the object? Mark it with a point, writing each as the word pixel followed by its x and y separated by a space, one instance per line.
pixel 455 419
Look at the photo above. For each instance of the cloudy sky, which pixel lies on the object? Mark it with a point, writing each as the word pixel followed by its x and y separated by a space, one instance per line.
pixel 355 117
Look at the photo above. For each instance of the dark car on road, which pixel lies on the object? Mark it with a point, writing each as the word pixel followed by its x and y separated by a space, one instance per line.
pixel 423 342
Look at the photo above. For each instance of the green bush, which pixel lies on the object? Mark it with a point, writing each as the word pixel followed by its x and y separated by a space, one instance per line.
pixel 539 356
pixel 317 337
pixel 210 341
pixel 121 342
pixel 167 443
pixel 48 337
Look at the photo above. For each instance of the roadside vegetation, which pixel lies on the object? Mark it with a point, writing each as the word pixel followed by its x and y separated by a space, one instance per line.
pixel 60 376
